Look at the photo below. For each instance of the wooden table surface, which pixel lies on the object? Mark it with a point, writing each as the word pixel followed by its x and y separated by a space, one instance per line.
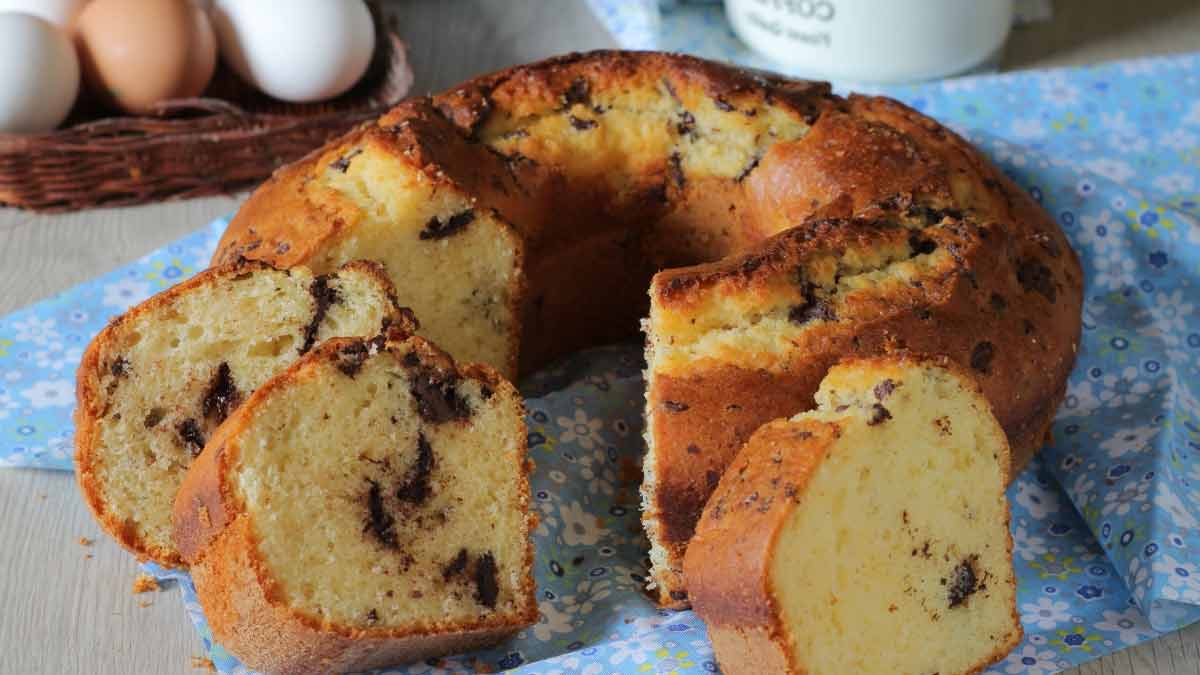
pixel 68 608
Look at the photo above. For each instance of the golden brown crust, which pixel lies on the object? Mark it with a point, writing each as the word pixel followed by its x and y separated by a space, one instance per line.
pixel 236 590
pixel 736 574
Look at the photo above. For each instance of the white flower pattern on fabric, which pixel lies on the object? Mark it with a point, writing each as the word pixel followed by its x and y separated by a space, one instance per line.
pixel 1120 501
pixel 579 525
pixel 1030 661
pixel 1130 625
pixel 1180 513
pixel 1046 613
pixel 1038 500
pixel 1125 441
pixel 1183 579
pixel 1026 545
pixel 1112 169
pixel 581 430
pixel 48 393
pixel 125 293
pixel 35 330
pixel 1123 389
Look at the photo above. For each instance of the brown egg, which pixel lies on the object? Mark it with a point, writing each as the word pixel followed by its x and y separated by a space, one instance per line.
pixel 202 61
pixel 136 53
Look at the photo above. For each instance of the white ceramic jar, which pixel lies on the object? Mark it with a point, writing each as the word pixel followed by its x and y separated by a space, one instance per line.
pixel 873 40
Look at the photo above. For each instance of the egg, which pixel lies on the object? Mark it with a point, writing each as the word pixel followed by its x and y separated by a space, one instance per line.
pixel 61 13
pixel 39 74
pixel 136 53
pixel 315 50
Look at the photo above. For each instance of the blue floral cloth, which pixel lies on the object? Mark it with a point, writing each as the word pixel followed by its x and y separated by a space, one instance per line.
pixel 1106 523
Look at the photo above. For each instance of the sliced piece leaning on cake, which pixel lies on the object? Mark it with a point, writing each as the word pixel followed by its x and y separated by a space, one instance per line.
pixel 868 536
pixel 368 506
pixel 156 382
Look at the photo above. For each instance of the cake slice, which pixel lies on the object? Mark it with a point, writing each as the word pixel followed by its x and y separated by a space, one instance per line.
pixel 867 536
pixel 156 382
pixel 366 507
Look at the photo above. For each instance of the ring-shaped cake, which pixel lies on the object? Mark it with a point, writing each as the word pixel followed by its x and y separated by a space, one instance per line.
pixel 778 228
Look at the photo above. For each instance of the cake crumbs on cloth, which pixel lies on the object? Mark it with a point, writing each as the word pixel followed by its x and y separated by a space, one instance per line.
pixel 203 663
pixel 84 541
pixel 144 583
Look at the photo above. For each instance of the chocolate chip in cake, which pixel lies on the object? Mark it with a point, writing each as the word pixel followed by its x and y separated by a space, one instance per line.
pixel 686 126
pixel 323 296
pixel 931 215
pixel 747 169
pixel 437 397
pixel 437 229
pixel 222 396
pixel 678 596
pixel 693 449
pixel 485 392
pixel 582 123
pixel 342 164
pixel 373 616
pixel 415 487
pixel 578 92
pixel 350 358
pixel 998 303
pixel 921 245
pixel 943 425
pixel 712 478
pixel 811 310
pixel 1035 277
pixel 456 565
pixel 963 582
pixel 723 105
pixel 981 356
pixel 378 522
pixel 119 367
pixel 153 417
pixel 879 415
pixel 675 170
pixel 885 389
pixel 487 583
pixel 193 438
pixel 675 406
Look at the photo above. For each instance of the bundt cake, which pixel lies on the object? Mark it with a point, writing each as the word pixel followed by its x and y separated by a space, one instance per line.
pixel 868 536
pixel 523 215
pixel 156 382
pixel 368 506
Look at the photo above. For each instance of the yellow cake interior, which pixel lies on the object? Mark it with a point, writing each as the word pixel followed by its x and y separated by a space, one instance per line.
pixel 366 513
pixel 172 374
pixel 897 558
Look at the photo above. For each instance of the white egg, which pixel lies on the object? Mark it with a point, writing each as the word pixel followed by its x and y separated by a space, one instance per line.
pixel 61 13
pixel 314 50
pixel 39 74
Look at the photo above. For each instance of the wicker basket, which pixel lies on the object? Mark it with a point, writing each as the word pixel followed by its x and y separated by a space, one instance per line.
pixel 232 138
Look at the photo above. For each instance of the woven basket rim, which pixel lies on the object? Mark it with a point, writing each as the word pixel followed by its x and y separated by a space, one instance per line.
pixel 191 147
